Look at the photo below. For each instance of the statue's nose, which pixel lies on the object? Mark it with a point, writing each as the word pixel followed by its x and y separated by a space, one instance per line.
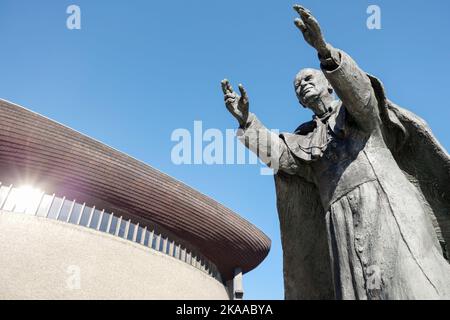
pixel 305 83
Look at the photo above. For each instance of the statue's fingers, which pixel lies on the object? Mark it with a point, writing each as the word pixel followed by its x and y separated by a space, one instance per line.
pixel 305 14
pixel 299 23
pixel 304 10
pixel 226 87
pixel 224 84
pixel 298 8
pixel 229 87
pixel 313 24
pixel 243 92
pixel 229 96
pixel 310 21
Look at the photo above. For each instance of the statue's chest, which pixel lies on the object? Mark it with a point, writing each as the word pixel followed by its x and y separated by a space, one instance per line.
pixel 343 165
pixel 341 146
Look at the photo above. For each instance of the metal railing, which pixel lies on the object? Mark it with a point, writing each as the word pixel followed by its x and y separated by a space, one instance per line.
pixel 27 200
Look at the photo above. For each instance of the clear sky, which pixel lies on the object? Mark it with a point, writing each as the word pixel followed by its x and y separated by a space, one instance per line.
pixel 137 70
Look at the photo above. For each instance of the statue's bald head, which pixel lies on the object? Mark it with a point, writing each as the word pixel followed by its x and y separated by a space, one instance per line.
pixel 311 87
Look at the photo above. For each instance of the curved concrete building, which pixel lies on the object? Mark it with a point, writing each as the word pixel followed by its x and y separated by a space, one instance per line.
pixel 80 220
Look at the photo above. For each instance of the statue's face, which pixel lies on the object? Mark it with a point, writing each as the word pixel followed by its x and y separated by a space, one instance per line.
pixel 311 85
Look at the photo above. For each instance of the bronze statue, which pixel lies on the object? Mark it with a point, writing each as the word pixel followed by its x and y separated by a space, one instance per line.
pixel 363 190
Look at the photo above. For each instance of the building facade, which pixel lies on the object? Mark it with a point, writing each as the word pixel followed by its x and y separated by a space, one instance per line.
pixel 81 220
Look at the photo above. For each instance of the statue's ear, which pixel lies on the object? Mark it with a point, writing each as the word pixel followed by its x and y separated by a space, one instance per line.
pixel 330 89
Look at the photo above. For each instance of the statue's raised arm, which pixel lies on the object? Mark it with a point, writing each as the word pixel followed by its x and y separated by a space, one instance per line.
pixel 267 145
pixel 351 84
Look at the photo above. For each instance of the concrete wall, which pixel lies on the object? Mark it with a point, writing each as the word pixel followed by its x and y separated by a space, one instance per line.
pixel 44 259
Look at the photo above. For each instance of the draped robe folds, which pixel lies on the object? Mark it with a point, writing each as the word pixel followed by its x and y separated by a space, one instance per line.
pixel 357 220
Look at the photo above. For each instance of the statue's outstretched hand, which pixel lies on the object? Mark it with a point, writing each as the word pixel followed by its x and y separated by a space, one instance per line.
pixel 237 105
pixel 311 31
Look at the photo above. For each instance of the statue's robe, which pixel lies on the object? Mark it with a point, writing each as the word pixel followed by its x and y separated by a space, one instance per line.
pixel 362 195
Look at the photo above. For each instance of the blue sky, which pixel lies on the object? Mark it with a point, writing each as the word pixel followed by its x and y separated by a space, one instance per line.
pixel 137 70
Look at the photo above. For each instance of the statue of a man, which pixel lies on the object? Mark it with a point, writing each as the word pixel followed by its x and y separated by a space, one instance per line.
pixel 362 190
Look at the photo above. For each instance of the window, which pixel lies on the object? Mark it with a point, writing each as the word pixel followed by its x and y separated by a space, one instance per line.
pixel 183 254
pixel 112 228
pixel 122 228
pixel 65 210
pixel 193 260
pixel 76 213
pixel 12 200
pixel 33 205
pixel 104 222
pixel 54 208
pixel 131 230
pixel 3 194
pixel 95 219
pixel 169 245
pixel 139 234
pixel 45 206
pixel 147 238
pixel 154 241
pixel 85 216
pixel 188 257
pixel 20 200
pixel 176 251
pixel 161 243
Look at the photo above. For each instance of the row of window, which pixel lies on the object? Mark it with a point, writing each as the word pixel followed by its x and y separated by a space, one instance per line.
pixel 30 201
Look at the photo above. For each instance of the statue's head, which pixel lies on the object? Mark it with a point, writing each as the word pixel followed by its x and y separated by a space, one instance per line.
pixel 313 90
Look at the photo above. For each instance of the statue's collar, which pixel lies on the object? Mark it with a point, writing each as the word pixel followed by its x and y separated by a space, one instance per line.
pixel 311 139
pixel 331 110
pixel 318 121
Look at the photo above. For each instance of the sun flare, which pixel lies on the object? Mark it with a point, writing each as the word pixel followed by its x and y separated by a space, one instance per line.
pixel 26 198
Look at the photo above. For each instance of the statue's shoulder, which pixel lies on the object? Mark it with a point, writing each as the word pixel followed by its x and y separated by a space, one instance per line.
pixel 305 128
